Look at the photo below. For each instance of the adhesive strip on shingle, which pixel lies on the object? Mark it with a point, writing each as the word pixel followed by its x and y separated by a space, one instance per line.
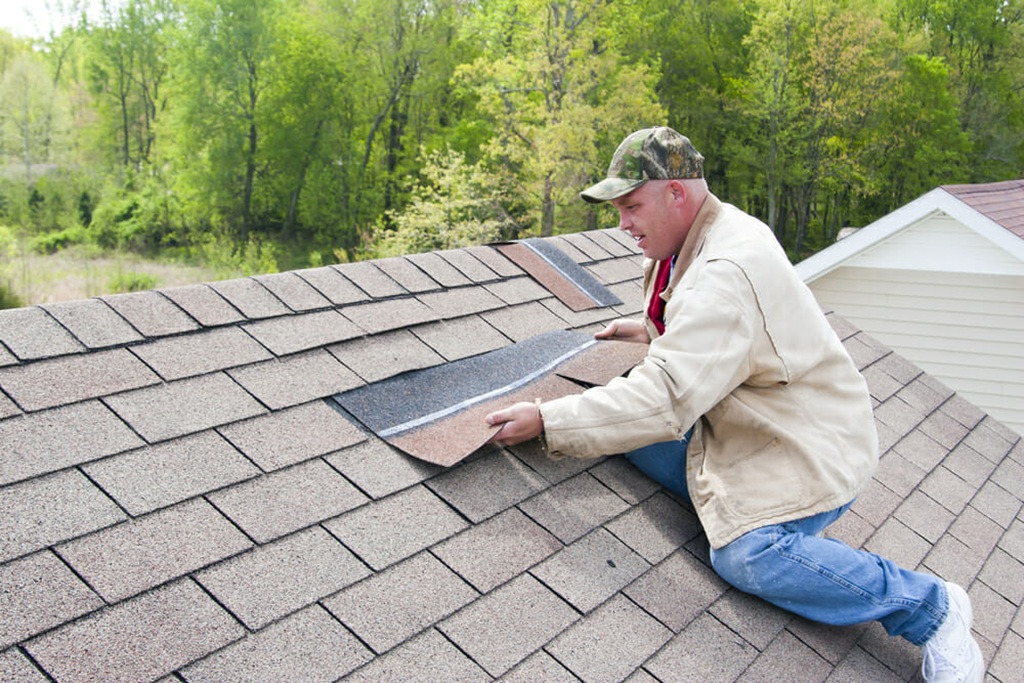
pixel 437 414
pixel 562 276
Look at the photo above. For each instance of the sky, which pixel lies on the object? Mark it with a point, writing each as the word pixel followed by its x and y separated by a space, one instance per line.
pixel 32 18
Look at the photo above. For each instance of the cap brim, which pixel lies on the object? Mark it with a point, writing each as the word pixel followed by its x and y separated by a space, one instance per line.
pixel 609 188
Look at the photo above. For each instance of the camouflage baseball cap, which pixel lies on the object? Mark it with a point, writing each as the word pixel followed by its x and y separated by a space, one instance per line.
pixel 650 154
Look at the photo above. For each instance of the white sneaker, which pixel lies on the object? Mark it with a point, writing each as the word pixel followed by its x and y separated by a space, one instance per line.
pixel 952 655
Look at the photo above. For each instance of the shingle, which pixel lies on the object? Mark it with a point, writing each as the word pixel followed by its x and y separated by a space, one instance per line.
pixel 518 290
pixel 183 407
pixel 333 285
pixel 581 241
pixel 393 528
pixel 705 651
pixel 93 323
pixel 676 591
pixel 389 607
pixel 493 552
pixel 500 629
pixel 151 313
pixel 31 334
pixel 834 643
pixel 969 465
pixel 407 275
pixel 953 561
pixel 44 511
pixel 283 502
pixel 574 507
pixel 484 487
pixel 976 531
pixel 899 415
pixel 378 469
pixel 429 656
pixel 308 646
pixel 543 667
pixel 862 350
pixel 387 315
pixel 153 477
pixel 631 294
pixel 277 579
pixel 302 332
pixel 439 269
pixel 988 442
pixel 921 450
pixel 522 322
pixel 70 379
pixel 371 279
pixel 656 528
pixel 948 489
pixel 252 299
pixel 51 440
pixel 7 407
pixel 612 641
pixel 292 435
pixel 198 354
pixel 118 643
pixel 385 355
pixel 296 293
pixel 963 411
pixel 454 303
pixel 467 264
pixel 614 271
pixel 992 612
pixel 126 559
pixel 875 503
pixel 622 477
pixel 16 668
pixel 570 250
pixel 1006 663
pixel 925 516
pixel 576 319
pixel 1003 574
pixel 899 543
pixel 898 474
pixel 591 570
pixel 495 260
pixel 40 592
pixel 204 304
pixel 788 659
pixel 466 337
pixel 296 379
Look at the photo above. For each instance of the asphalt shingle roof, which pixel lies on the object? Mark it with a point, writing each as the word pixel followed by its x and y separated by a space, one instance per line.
pixel 179 500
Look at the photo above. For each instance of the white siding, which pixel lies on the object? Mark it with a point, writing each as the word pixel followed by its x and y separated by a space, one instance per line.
pixel 966 330
pixel 940 243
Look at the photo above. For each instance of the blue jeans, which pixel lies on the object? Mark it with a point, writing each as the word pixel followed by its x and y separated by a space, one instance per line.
pixel 821 579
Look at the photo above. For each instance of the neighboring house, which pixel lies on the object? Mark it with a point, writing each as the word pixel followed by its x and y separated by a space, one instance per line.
pixel 941 281
pixel 182 500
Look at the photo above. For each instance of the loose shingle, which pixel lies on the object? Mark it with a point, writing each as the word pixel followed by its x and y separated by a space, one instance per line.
pixel 153 477
pixel 31 334
pixel 390 607
pixel 40 592
pixel 391 529
pixel 286 501
pixel 309 646
pixel 302 332
pixel 296 379
pixel 292 435
pixel 70 379
pixel 500 629
pixel 204 304
pixel 118 644
pixel 51 440
pixel 93 323
pixel 151 313
pixel 185 406
pixel 47 510
pixel 126 559
pixel 277 579
pixel 199 354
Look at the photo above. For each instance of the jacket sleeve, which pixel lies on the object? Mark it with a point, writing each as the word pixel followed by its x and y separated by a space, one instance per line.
pixel 705 353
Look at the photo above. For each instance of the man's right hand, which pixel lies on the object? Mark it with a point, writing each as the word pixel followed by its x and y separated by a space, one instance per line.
pixel 624 329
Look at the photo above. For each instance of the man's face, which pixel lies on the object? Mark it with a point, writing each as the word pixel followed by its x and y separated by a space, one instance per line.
pixel 651 215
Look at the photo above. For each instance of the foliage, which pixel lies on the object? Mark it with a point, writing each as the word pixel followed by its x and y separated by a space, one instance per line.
pixel 132 282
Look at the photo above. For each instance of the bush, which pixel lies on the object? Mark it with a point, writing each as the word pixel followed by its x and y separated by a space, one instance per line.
pixel 132 282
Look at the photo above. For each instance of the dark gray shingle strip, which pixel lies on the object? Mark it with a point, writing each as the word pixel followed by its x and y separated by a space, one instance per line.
pixel 292 334
pixel 277 579
pixel 292 435
pixel 46 510
pixel 127 559
pixel 184 407
pixel 288 500
pixel 118 643
pixel 252 299
pixel 293 291
pixel 158 476
pixel 204 304
pixel 151 313
pixel 295 379
pixel 30 334
pixel 52 440
pixel 198 354
pixel 94 323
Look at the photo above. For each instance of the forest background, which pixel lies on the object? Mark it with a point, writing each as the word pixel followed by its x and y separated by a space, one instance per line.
pixel 244 136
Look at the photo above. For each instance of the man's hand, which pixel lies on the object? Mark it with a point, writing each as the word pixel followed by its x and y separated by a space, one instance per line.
pixel 519 422
pixel 625 330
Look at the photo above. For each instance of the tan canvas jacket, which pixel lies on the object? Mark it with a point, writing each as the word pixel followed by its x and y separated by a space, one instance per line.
pixel 783 421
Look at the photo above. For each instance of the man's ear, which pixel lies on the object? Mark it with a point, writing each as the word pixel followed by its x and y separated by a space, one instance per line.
pixel 678 190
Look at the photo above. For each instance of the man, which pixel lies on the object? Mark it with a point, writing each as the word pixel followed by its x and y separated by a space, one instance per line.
pixel 748 406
